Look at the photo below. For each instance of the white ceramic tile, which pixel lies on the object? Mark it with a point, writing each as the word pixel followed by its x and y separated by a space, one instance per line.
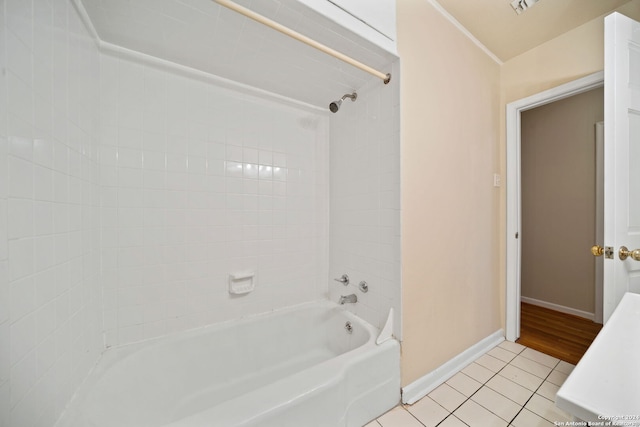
pixel 5 403
pixel 496 403
pixel 44 252
pixel 5 352
pixel 473 414
pixel 19 146
pixel 23 376
pixel 509 389
pixel 4 247
pixel 547 409
pixel 535 368
pixel 23 297
pixel 46 171
pixel 512 346
pixel 452 421
pixel 20 258
pixel 4 291
pixel 20 218
pixel 23 337
pixel 428 412
pixel 521 377
pixel 527 418
pixel 565 367
pixel 556 377
pixel 490 362
pixel 548 390
pixel 20 178
pixel 539 357
pixel 501 354
pixel 478 372
pixel 42 183
pixel 447 397
pixel 464 384
pixel 398 417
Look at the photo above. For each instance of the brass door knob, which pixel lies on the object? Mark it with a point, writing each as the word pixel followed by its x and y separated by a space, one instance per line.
pixel 624 253
pixel 597 250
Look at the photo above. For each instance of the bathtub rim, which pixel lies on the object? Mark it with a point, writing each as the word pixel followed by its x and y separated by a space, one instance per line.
pixel 111 356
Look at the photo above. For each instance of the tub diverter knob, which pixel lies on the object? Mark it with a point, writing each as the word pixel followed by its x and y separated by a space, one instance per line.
pixel 344 279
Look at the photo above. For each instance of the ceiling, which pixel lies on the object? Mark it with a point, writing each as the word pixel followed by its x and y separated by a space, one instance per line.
pixel 204 36
pixel 506 34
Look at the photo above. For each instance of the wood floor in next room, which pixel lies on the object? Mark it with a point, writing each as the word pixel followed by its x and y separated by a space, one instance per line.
pixel 560 335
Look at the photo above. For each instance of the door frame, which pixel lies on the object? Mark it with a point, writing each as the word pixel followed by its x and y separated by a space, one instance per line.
pixel 513 188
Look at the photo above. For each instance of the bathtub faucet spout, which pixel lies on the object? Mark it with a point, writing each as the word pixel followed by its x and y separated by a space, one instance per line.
pixel 352 299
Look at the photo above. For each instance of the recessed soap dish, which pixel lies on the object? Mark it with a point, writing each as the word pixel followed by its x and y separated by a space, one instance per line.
pixel 241 283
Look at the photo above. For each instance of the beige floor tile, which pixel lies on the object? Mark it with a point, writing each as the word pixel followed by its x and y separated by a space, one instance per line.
pixel 521 377
pixel 490 362
pixel 475 415
pixel 531 366
pixel 502 354
pixel 491 392
pixel 496 403
pixel 548 390
pixel 547 409
pixel 464 384
pixel 478 372
pixel 527 418
pixel 428 412
pixel 398 417
pixel 512 346
pixel 452 421
pixel 509 389
pixel 565 367
pixel 539 357
pixel 447 397
pixel 556 377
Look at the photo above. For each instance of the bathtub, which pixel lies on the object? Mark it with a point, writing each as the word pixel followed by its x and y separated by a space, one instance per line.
pixel 294 367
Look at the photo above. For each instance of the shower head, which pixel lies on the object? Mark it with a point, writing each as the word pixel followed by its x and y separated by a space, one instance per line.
pixel 335 105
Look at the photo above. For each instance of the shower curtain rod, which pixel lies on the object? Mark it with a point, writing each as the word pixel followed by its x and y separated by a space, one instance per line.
pixel 304 39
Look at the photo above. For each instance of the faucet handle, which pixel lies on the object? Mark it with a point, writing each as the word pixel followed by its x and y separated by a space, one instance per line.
pixel 344 279
pixel 363 286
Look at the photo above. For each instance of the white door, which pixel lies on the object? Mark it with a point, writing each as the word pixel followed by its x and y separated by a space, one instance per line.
pixel 621 157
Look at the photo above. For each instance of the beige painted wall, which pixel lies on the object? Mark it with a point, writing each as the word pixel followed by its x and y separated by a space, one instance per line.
pixel 450 103
pixel 558 200
pixel 453 139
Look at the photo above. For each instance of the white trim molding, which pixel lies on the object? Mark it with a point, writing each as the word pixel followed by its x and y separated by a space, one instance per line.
pixel 424 385
pixel 560 308
pixel 512 291
pixel 464 31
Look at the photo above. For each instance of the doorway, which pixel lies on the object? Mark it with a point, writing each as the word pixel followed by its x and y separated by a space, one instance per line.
pixel 514 190
pixel 559 209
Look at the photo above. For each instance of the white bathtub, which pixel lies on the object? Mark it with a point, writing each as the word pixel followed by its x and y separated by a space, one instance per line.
pixel 294 367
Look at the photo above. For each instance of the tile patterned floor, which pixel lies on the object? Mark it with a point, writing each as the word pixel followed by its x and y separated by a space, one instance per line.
pixel 510 385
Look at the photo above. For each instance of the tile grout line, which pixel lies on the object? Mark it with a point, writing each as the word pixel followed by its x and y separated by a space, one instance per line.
pixel 483 385
pixel 534 393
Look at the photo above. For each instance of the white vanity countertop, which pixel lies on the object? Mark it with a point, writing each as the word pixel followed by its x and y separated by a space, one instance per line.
pixel 606 381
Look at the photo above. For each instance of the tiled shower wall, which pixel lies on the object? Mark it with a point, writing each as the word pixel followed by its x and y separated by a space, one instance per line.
pixel 129 192
pixel 50 323
pixel 365 200
pixel 199 182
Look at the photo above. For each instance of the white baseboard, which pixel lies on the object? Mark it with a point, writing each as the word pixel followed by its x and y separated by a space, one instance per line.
pixel 424 385
pixel 560 308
